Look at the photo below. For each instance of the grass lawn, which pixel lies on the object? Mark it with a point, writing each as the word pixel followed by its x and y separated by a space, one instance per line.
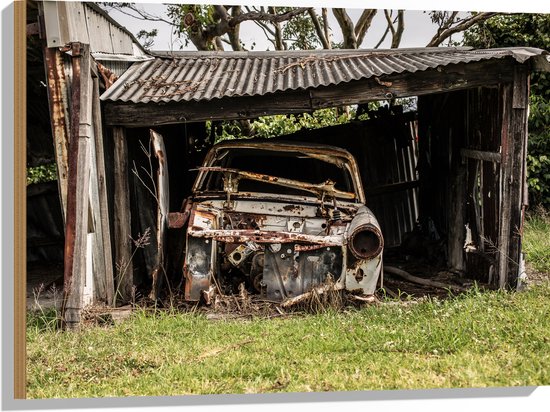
pixel 478 339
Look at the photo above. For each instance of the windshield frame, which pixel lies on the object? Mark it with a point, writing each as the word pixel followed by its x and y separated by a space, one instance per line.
pixel 324 153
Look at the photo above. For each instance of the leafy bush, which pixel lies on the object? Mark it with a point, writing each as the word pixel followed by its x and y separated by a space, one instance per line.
pixel 41 174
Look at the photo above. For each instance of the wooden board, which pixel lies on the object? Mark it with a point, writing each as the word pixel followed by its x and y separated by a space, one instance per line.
pixel 122 219
pixel 162 212
pixel 103 215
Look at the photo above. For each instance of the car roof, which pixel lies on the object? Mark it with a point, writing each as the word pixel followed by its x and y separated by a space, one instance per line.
pixel 286 145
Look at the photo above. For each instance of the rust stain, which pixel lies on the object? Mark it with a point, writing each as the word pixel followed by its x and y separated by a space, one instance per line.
pixel 108 76
pixel 293 208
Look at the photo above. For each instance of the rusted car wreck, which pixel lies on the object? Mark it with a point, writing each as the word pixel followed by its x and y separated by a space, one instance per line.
pixel 280 218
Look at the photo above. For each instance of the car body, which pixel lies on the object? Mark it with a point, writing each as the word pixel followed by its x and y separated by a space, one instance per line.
pixel 280 218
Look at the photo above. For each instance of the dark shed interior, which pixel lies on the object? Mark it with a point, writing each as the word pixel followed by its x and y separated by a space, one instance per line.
pixel 446 181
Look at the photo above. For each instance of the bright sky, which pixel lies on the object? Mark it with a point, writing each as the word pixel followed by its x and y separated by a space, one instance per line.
pixel 418 30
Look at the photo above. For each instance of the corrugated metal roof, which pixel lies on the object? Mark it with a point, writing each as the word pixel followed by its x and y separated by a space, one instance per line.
pixel 194 76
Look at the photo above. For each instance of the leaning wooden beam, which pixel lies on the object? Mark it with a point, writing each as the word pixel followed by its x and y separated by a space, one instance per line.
pixel 103 271
pixel 421 281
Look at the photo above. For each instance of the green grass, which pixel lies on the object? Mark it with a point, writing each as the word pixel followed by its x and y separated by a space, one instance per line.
pixel 476 340
pixel 536 241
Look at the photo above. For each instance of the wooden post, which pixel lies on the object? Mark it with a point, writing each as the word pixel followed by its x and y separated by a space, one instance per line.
pixel 122 219
pixel 518 156
pixel 505 179
pixel 162 212
pixel 58 102
pixel 78 189
pixel 104 277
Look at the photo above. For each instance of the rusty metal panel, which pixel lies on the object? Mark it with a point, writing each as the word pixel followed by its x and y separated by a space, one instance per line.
pixel 196 76
pixel 289 273
pixel 199 267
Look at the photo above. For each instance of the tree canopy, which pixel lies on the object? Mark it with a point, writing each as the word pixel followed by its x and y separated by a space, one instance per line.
pixel 217 27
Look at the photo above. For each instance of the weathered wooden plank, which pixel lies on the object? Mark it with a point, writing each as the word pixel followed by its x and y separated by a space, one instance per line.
pixel 520 99
pixel 505 177
pixel 443 79
pixel 17 250
pixel 78 188
pixel 457 215
pixel 97 289
pixel 122 219
pixel 103 215
pixel 518 133
pixel 481 155
pixel 149 115
pixel 162 211
pixel 58 103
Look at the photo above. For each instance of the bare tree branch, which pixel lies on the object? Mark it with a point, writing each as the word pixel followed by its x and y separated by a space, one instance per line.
pixel 324 14
pixel 396 34
pixel 141 14
pixel 319 29
pixel 396 40
pixel 346 24
pixel 383 36
pixel 279 43
pixel 391 27
pixel 234 35
pixel 273 18
pixel 463 25
pixel 363 24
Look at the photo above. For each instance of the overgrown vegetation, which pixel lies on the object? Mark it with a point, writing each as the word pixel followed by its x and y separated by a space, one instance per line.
pixel 475 340
pixel 531 30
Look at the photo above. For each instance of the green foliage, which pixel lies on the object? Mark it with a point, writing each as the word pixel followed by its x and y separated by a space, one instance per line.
pixel 147 37
pixel 271 126
pixel 299 32
pixel 190 19
pixel 277 125
pixel 41 174
pixel 532 30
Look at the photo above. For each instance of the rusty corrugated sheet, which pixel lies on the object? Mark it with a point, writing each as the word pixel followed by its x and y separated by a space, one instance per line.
pixel 188 76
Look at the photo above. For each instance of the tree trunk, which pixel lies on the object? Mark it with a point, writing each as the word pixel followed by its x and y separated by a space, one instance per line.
pixel 348 31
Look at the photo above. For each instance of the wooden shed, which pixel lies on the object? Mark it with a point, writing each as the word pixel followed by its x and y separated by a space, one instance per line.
pixel 455 164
